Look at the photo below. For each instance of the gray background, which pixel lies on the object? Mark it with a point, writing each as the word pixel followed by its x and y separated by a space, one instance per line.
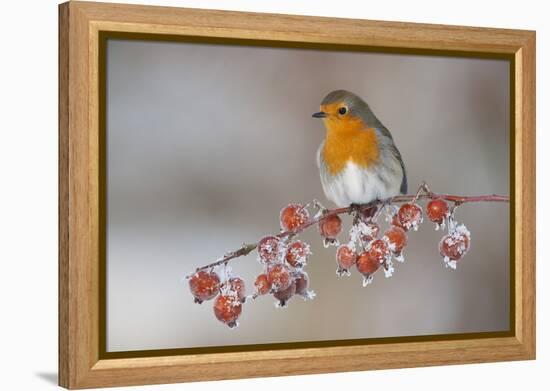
pixel 206 143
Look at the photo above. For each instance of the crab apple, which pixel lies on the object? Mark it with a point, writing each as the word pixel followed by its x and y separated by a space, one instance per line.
pixel 366 264
pixel 204 285
pixel 262 284
pixel 284 295
pixel 330 227
pixel 301 280
pixel 395 221
pixel 410 216
pixel 455 245
pixel 236 287
pixel 437 210
pixel 370 232
pixel 279 277
pixel 297 253
pixel 397 239
pixel 269 249
pixel 227 309
pixel 345 258
pixel 379 250
pixel 292 216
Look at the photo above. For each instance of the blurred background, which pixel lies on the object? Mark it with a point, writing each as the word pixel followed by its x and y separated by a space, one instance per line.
pixel 206 143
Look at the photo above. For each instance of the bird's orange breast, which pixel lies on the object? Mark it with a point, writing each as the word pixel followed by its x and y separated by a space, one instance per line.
pixel 349 140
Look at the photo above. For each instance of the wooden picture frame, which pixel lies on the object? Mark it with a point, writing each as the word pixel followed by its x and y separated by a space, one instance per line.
pixel 82 29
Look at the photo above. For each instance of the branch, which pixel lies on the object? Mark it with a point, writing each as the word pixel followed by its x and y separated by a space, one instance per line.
pixel 423 192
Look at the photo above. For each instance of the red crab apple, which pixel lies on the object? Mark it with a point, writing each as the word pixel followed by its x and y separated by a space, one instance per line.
pixel 454 246
pixel 292 216
pixel 204 285
pixel 284 295
pixel 437 210
pixel 346 257
pixel 410 216
pixel 397 239
pixel 378 250
pixel 395 221
pixel 262 284
pixel 269 249
pixel 279 277
pixel 236 286
pixel 330 226
pixel 366 264
pixel 301 280
pixel 227 309
pixel 297 253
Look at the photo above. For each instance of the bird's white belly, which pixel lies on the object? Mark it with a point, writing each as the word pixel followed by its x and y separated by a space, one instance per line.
pixel 356 185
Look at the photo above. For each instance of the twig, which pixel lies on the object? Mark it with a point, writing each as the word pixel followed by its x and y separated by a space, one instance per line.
pixel 246 249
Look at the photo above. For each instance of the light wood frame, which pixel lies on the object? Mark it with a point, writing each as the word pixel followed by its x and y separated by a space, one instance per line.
pixel 80 26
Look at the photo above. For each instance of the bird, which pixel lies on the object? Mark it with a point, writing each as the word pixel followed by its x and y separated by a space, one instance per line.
pixel 358 160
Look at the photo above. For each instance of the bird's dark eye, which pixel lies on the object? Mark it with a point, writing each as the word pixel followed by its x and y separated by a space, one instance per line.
pixel 343 110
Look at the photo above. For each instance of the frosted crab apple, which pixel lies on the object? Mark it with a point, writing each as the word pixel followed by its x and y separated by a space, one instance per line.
pixel 262 284
pixel 396 238
pixel 346 257
pixel 379 250
pixel 455 245
pixel 297 253
pixel 235 286
pixel 227 309
pixel 293 216
pixel 410 216
pixel 279 277
pixel 367 266
pixel 204 285
pixel 330 227
pixel 437 211
pixel 284 295
pixel 269 249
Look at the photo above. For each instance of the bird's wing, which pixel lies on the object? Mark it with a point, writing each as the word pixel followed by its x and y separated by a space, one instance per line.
pixel 395 152
pixel 319 159
pixel 404 184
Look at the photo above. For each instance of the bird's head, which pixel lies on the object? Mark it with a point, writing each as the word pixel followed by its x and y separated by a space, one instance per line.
pixel 344 111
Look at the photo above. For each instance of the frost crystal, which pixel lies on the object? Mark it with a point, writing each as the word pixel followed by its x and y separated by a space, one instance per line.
pixel 281 304
pixel 449 263
pixel 341 272
pixel 327 242
pixel 461 229
pixel 361 230
pixel 233 325
pixel 390 214
pixel 388 268
pixel 367 280
pixel 309 295
pixel 319 214
pixel 399 257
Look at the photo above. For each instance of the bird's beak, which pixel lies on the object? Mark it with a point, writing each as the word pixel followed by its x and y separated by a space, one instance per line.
pixel 320 114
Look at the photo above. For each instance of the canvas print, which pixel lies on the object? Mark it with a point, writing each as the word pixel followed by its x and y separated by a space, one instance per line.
pixel 264 195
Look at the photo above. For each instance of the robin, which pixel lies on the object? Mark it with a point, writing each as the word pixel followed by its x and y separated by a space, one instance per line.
pixel 358 160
